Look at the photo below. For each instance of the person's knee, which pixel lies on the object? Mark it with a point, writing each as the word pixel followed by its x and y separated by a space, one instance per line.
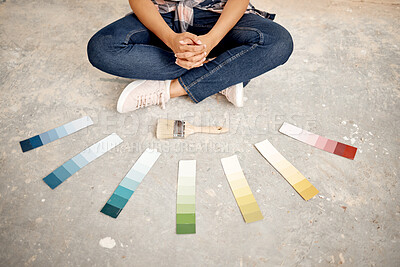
pixel 287 43
pixel 96 50
pixel 92 49
pixel 283 43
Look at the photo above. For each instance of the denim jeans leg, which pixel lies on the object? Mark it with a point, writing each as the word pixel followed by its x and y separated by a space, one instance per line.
pixel 126 48
pixel 264 46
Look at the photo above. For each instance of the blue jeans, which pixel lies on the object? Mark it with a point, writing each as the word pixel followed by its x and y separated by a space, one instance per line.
pixel 255 45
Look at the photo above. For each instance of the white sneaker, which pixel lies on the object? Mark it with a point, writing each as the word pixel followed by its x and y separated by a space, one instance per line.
pixel 234 94
pixel 143 93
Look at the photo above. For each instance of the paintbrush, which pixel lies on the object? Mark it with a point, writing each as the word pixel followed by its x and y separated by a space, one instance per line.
pixel 180 129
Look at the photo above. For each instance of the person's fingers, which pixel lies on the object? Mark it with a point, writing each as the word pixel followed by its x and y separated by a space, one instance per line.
pixel 187 64
pixel 197 58
pixel 188 38
pixel 189 54
pixel 183 63
pixel 186 41
pixel 193 48
pixel 199 64
pixel 193 37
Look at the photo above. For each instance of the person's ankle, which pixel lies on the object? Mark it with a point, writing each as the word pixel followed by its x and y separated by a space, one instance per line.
pixel 176 89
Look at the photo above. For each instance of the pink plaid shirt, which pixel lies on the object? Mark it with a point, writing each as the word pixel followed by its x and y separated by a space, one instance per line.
pixel 184 9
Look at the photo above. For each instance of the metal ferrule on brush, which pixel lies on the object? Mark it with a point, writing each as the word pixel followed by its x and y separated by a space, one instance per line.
pixel 179 129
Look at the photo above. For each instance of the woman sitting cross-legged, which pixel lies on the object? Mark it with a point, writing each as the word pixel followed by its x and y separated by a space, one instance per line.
pixel 188 47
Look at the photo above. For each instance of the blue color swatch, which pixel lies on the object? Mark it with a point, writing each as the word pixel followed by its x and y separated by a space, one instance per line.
pixel 54 134
pixel 130 183
pixel 73 165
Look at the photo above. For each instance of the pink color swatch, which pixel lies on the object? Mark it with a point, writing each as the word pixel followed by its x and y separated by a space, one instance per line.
pixel 318 141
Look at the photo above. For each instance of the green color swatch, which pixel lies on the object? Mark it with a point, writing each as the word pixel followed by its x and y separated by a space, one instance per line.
pixel 185 202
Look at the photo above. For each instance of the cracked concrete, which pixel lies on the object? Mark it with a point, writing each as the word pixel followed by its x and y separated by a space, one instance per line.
pixel 342 82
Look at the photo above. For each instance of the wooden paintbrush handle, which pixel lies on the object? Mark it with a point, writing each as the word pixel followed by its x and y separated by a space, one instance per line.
pixel 211 129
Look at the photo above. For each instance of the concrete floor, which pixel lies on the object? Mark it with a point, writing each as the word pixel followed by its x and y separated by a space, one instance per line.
pixel 341 82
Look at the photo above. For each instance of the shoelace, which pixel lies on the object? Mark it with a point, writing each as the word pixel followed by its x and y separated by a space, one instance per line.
pixel 151 99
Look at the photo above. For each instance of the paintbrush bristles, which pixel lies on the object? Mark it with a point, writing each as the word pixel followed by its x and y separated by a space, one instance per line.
pixel 165 129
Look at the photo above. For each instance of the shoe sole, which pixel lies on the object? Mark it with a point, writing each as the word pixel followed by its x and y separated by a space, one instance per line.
pixel 125 93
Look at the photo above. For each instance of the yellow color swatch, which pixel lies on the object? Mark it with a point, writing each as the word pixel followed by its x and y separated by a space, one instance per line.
pixel 241 190
pixel 287 170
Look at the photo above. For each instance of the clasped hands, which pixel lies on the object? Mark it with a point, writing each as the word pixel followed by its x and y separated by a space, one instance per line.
pixel 190 50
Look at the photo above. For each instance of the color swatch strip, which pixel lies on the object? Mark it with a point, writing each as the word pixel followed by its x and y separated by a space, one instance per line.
pixel 318 141
pixel 241 190
pixel 287 170
pixel 130 183
pixel 73 165
pixel 185 201
pixel 56 133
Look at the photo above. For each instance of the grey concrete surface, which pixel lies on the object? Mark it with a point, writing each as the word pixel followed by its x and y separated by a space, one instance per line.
pixel 342 82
